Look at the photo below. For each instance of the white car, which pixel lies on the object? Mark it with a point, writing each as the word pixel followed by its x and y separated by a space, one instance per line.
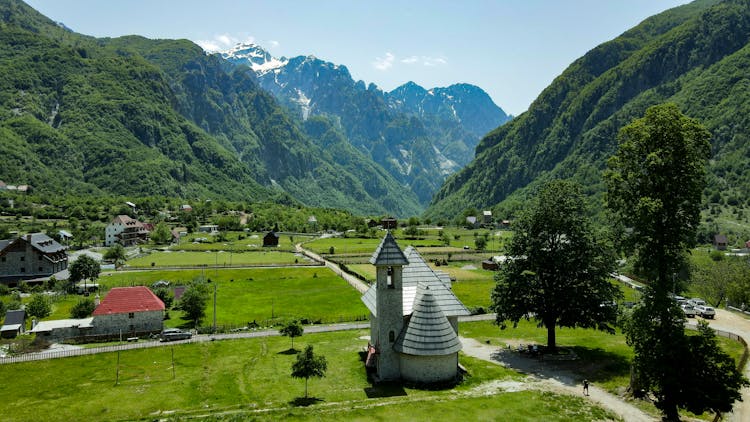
pixel 689 310
pixel 705 311
pixel 697 302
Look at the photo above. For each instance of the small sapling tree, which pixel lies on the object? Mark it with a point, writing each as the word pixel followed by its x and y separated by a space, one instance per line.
pixel 292 329
pixel 309 365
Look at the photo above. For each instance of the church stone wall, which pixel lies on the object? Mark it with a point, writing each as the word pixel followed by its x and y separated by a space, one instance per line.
pixel 429 369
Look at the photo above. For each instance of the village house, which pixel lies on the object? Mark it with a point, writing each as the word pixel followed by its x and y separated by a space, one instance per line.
pixel 124 312
pixel 126 231
pixel 487 217
pixel 134 310
pixel 14 324
pixel 413 318
pixel 271 239
pixel 720 242
pixel 32 256
pixel 389 223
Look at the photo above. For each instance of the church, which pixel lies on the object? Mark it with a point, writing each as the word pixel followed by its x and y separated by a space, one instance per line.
pixel 413 318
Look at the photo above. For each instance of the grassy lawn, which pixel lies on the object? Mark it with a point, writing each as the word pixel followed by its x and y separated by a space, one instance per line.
pixel 603 358
pixel 234 241
pixel 250 378
pixel 210 258
pixel 428 242
pixel 253 294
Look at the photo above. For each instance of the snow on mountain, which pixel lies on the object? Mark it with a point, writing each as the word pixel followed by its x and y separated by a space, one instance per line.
pixel 253 55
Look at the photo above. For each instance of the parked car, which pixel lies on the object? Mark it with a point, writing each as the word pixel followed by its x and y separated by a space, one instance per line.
pixel 705 311
pixel 689 310
pixel 172 334
pixel 696 301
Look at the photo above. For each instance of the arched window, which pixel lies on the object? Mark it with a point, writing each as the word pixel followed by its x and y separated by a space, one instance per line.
pixel 389 278
pixel 391 336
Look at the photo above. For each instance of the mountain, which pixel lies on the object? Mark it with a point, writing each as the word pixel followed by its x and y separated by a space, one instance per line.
pixel 696 56
pixel 133 116
pixel 418 136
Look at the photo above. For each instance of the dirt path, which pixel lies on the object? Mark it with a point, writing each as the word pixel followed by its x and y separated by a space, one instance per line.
pixel 542 376
pixel 353 281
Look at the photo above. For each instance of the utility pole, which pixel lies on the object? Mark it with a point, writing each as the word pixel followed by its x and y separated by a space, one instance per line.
pixel 215 286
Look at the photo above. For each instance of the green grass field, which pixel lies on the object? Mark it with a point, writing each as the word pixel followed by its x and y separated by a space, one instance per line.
pixel 232 242
pixel 257 294
pixel 248 379
pixel 428 242
pixel 604 358
pixel 214 258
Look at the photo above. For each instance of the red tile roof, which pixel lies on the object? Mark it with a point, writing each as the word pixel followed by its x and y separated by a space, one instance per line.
pixel 129 299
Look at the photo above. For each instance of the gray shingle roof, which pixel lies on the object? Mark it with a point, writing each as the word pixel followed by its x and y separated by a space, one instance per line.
pixel 428 332
pixel 419 272
pixel 17 316
pixel 45 244
pixel 388 253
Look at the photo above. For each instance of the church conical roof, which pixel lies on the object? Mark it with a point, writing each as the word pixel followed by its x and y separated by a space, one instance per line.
pixel 428 332
pixel 388 253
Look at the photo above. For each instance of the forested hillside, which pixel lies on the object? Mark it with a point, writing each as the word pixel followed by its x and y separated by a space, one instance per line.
pixel 695 55
pixel 132 116
pixel 416 135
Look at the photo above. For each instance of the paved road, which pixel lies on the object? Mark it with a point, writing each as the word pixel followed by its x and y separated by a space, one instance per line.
pixel 735 324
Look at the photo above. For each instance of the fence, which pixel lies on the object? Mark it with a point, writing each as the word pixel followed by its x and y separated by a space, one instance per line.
pixel 77 352
pixel 731 336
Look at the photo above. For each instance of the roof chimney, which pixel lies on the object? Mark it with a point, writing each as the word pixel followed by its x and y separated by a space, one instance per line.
pixel 28 237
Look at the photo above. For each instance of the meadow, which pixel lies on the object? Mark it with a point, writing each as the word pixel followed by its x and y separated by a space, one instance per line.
pixel 234 241
pixel 221 258
pixel 260 294
pixel 250 378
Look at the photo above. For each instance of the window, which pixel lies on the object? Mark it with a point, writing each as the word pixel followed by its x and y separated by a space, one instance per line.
pixel 131 315
pixel 391 336
pixel 3 259
pixel 40 269
pixel 23 258
pixel 389 278
pixel 23 269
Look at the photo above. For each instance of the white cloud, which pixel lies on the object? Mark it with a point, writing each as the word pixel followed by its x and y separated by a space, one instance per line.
pixel 221 42
pixel 384 63
pixel 425 60
pixel 273 43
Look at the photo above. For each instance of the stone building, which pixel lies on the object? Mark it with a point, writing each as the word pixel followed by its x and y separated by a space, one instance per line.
pixel 413 318
pixel 132 310
pixel 31 256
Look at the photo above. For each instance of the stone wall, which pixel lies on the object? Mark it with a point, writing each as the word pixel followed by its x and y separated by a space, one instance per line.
pixel 151 321
pixel 23 261
pixel 429 369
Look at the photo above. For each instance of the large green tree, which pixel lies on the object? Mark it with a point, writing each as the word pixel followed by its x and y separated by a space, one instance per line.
pixel 654 187
pixel 116 253
pixel 559 271
pixel 161 234
pixel 193 302
pixel 308 365
pixel 84 268
pixel 654 182
pixel 39 306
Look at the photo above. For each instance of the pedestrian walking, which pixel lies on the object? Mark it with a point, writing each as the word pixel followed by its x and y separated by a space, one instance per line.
pixel 585 387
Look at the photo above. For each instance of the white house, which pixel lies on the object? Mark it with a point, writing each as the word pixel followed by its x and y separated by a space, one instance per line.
pixel 126 231
pixel 413 318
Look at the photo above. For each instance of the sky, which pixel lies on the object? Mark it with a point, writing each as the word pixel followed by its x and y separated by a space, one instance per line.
pixel 512 49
